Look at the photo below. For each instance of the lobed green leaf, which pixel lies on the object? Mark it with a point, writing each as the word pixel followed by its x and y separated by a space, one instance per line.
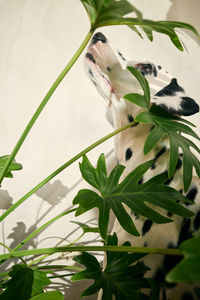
pixel 113 196
pixel 167 125
pixel 118 278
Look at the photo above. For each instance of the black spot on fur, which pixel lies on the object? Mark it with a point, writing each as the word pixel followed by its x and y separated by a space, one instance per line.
pixel 98 37
pixel 136 124
pixel 197 221
pixel 159 275
pixel 170 261
pixel 90 72
pixel 159 67
pixel 146 226
pixel 168 181
pixel 185 232
pixel 187 296
pixel 169 214
pixel 129 153
pixel 90 57
pixel 188 106
pixel 145 244
pixel 192 193
pixel 171 89
pixel 141 180
pixel 158 154
pixel 154 71
pixel 108 69
pixel 179 164
pixel 121 56
pixel 130 118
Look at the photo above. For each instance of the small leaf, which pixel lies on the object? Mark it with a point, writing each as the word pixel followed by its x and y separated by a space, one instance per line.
pixel 86 228
pixel 54 295
pixel 134 195
pixel 141 100
pixel 19 287
pixel 13 166
pixel 189 267
pixel 119 278
pixel 168 125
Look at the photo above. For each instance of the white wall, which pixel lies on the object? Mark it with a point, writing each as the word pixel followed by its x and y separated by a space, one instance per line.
pixel 37 38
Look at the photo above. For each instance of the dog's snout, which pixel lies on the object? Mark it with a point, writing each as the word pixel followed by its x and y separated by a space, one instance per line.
pixel 98 37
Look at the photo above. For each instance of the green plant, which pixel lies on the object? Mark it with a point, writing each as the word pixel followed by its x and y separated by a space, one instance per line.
pixel 30 281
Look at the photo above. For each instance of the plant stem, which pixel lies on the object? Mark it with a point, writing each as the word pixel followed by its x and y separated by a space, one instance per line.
pixel 42 227
pixel 60 169
pixel 92 248
pixel 43 104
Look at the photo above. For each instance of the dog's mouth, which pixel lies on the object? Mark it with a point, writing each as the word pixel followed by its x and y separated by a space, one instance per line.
pixel 99 61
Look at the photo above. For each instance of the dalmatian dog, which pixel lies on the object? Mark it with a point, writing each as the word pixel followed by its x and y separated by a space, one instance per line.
pixel 107 69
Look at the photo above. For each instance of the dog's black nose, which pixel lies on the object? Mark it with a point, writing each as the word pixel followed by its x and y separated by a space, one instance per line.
pixel 98 37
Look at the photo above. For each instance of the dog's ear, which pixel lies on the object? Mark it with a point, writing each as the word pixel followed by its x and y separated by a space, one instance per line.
pixel 172 98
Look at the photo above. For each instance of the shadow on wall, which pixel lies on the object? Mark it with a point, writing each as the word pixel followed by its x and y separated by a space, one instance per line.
pixel 185 11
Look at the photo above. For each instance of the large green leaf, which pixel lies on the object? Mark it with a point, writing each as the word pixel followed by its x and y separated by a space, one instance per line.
pixel 167 125
pixel 141 100
pixel 189 268
pixel 54 295
pixel 119 277
pixel 24 283
pixel 113 195
pixel 112 12
pixel 19 287
pixel 13 166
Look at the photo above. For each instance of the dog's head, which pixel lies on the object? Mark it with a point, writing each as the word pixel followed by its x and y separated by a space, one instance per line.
pixel 107 68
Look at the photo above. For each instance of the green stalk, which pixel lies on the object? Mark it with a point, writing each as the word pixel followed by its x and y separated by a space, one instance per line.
pixel 43 104
pixel 59 170
pixel 35 232
pixel 91 248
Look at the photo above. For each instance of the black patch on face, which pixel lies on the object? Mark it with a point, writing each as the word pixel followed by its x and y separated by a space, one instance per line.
pixel 192 193
pixel 187 296
pixel 197 221
pixel 189 106
pixel 147 69
pixel 108 69
pixel 128 154
pixel 159 67
pixel 98 37
pixel 121 56
pixel 90 57
pixel 158 154
pixel 130 118
pixel 146 226
pixel 185 232
pixel 90 72
pixel 141 180
pixel 171 89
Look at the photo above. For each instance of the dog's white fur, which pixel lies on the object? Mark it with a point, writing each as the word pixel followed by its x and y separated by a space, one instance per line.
pixel 106 67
